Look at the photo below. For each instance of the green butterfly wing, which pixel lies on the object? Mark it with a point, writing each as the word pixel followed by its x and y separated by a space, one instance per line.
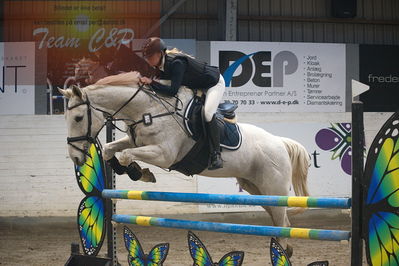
pixel 90 175
pixel 91 211
pixel 234 258
pixel 277 254
pixel 91 224
pixel 381 210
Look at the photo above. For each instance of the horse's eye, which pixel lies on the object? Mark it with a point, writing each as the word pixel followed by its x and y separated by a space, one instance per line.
pixel 78 118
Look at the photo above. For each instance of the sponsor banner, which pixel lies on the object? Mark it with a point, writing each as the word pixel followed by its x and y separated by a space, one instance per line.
pixel 379 68
pixel 282 77
pixel 71 30
pixel 17 79
pixel 329 146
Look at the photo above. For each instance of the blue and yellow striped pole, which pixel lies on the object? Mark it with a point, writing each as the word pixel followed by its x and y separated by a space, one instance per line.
pixel 258 200
pixel 331 235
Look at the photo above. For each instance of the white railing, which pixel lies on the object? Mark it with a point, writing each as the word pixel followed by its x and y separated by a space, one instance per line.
pixel 56 97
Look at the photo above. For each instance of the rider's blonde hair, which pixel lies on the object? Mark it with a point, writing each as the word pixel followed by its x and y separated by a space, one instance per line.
pixel 175 51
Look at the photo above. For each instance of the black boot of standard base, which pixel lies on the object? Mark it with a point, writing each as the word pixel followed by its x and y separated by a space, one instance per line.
pixel 215 161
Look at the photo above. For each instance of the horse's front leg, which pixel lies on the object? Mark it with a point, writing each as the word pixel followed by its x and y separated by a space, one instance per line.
pixel 133 170
pixel 116 146
pixel 152 154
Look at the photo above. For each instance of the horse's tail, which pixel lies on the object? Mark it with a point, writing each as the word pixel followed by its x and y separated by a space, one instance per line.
pixel 300 162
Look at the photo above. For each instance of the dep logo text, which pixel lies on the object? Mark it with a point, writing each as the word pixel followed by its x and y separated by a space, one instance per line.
pixel 262 67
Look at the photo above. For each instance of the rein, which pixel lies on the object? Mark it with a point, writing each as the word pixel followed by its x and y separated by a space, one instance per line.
pixel 163 101
pixel 109 117
pixel 147 118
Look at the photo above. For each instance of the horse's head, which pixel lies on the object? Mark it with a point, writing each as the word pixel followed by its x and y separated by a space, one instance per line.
pixel 83 122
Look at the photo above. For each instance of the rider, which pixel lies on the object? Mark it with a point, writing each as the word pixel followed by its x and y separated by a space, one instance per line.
pixel 184 70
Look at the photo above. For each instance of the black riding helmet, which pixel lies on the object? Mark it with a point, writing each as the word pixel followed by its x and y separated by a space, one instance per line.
pixel 153 45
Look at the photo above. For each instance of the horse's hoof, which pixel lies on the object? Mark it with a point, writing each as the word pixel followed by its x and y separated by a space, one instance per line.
pixel 147 176
pixel 289 251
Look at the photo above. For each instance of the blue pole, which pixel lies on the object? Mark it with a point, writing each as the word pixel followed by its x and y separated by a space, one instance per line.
pixel 258 200
pixel 331 235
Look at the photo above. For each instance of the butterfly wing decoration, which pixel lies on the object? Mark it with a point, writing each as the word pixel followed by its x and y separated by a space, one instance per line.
pixel 157 254
pixel 337 139
pixel 319 263
pixel 277 254
pixel 232 258
pixel 381 200
pixel 136 256
pixel 91 224
pixel 90 175
pixel 91 211
pixel 201 256
pixel 198 251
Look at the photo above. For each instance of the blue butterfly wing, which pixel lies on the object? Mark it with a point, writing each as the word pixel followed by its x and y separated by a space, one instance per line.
pixel 157 255
pixel 277 254
pixel 136 256
pixel 198 251
pixel 135 261
pixel 381 210
pixel 90 175
pixel 234 258
pixel 91 224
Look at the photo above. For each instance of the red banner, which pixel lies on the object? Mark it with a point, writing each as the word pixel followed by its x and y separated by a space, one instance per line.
pixel 70 30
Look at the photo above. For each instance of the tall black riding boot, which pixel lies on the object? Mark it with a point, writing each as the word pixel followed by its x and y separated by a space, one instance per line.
pixel 214 145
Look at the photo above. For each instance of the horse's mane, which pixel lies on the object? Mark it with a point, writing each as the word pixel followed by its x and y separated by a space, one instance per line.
pixel 129 79
pixel 123 79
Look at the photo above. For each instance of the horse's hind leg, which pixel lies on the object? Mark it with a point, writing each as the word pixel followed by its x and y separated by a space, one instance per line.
pixel 278 214
pixel 280 218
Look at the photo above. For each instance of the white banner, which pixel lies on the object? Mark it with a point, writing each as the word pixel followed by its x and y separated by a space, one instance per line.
pixel 282 77
pixel 17 82
pixel 329 146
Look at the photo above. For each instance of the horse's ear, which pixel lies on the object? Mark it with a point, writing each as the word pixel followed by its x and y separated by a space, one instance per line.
pixel 67 93
pixel 76 90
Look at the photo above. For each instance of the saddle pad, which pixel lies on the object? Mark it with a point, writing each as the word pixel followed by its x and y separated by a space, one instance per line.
pixel 230 135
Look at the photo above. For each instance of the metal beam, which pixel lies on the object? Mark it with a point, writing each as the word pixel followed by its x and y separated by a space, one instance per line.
pixel 231 20
pixel 163 18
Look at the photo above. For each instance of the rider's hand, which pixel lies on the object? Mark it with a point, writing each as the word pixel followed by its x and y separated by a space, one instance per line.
pixel 145 80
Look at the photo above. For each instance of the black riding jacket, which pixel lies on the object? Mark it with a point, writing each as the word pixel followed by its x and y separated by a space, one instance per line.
pixel 186 71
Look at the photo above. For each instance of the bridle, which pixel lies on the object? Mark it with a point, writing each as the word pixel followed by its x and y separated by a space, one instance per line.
pixel 87 137
pixel 109 117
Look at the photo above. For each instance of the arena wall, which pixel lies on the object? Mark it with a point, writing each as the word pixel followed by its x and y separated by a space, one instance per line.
pixel 37 176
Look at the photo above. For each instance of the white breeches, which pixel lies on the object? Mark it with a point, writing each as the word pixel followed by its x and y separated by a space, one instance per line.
pixel 213 98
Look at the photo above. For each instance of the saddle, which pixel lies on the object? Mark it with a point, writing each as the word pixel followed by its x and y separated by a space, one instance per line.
pixel 196 160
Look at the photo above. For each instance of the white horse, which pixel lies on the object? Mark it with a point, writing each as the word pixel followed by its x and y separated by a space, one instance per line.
pixel 264 164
